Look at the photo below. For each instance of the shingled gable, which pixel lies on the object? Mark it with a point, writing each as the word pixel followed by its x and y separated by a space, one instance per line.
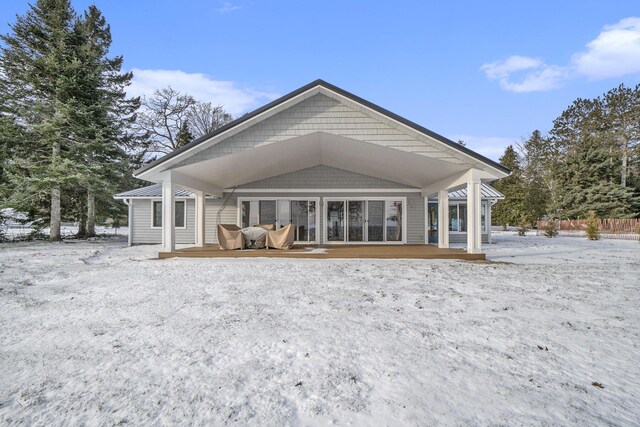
pixel 263 113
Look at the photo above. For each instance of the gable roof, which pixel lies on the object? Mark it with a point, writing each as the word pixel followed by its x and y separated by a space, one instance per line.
pixel 155 190
pixel 341 92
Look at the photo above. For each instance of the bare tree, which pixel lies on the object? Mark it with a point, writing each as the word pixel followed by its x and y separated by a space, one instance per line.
pixel 162 117
pixel 204 118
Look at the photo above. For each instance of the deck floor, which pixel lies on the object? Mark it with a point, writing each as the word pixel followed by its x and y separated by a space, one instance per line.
pixel 328 252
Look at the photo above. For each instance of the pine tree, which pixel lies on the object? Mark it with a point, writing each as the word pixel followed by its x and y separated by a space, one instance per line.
pixel 70 101
pixel 588 165
pixel 538 184
pixel 105 115
pixel 622 114
pixel 36 83
pixel 184 135
pixel 511 209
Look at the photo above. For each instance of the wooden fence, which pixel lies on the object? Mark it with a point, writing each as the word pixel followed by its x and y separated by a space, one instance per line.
pixel 625 228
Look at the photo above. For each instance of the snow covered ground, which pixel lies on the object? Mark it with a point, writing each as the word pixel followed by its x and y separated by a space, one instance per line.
pixel 98 333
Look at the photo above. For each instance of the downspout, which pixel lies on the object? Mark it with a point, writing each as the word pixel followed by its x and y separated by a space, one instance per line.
pixel 225 202
pixel 129 203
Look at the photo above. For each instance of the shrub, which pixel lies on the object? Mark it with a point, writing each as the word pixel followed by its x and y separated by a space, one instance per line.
pixel 551 229
pixel 593 231
pixel 523 227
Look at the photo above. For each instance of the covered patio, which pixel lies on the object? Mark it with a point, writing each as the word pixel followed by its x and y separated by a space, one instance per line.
pixel 330 252
pixel 322 125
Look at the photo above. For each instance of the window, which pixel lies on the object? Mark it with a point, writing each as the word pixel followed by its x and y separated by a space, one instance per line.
pixel 180 214
pixel 282 212
pixel 458 217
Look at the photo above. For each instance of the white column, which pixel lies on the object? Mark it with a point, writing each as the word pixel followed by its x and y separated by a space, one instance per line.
pixel 168 216
pixel 487 220
pixel 129 203
pixel 474 230
pixel 443 218
pixel 200 218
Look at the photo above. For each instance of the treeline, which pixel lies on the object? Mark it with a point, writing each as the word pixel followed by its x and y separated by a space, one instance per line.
pixel 588 162
pixel 69 134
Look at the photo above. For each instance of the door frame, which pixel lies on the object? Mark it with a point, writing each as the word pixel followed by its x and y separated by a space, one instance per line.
pixel 324 240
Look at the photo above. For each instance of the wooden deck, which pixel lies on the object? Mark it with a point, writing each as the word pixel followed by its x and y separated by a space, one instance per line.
pixel 329 252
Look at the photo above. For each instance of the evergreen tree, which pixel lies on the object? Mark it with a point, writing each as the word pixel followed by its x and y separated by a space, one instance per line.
pixel 538 185
pixel 511 209
pixel 622 114
pixel 70 102
pixel 184 134
pixel 36 85
pixel 588 172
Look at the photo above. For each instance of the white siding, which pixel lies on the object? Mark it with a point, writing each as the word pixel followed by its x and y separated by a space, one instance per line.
pixel 142 231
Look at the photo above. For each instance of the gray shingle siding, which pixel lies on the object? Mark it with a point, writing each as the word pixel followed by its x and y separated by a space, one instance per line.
pixel 321 113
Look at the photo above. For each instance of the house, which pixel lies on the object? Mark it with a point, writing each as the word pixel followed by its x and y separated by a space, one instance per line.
pixel 145 214
pixel 337 167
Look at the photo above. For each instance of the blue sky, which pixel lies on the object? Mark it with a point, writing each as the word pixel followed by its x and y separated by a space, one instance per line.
pixel 486 72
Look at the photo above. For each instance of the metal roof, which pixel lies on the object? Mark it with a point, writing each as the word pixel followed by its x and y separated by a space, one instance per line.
pixel 486 192
pixel 155 190
pixel 337 90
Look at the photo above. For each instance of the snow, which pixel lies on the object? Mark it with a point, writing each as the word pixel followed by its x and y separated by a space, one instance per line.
pixel 99 333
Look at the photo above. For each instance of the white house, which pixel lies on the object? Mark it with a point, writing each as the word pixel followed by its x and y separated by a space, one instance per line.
pixel 338 167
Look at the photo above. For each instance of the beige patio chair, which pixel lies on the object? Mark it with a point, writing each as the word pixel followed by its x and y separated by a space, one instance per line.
pixel 230 237
pixel 280 239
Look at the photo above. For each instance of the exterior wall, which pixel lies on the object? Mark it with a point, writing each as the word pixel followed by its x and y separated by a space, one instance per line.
pixel 142 232
pixel 321 113
pixel 462 237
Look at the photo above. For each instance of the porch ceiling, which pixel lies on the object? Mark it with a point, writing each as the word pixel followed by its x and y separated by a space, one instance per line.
pixel 321 149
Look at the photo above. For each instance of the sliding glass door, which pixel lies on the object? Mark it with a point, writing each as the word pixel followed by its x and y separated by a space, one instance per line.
pixel 301 214
pixel 364 221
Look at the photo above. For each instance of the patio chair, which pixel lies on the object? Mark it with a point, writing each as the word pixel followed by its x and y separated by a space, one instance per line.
pixel 280 239
pixel 230 237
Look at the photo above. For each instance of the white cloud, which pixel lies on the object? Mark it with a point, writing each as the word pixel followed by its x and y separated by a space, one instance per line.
pixel 489 146
pixel 234 98
pixel 534 74
pixel 614 53
pixel 227 7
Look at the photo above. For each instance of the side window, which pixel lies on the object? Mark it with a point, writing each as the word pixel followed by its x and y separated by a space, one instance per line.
pixel 157 214
pixel 180 214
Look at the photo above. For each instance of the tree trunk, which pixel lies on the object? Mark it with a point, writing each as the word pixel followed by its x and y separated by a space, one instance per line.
pixel 625 161
pixel 54 225
pixel 82 227
pixel 91 214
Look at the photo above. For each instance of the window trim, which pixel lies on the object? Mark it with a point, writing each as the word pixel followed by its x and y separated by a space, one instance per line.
pixel 405 207
pixel 159 200
pixel 485 203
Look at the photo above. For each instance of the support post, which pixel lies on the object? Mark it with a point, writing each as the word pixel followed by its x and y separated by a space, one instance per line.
pixel 474 229
pixel 443 218
pixel 168 216
pixel 200 218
